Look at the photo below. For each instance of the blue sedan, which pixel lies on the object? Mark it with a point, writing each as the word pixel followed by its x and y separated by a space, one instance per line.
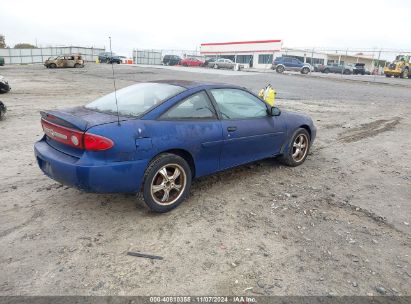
pixel 155 137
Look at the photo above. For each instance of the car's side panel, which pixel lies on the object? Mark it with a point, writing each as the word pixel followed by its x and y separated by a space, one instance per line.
pixel 201 138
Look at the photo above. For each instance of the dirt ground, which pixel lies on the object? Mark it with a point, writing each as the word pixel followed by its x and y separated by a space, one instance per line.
pixel 337 225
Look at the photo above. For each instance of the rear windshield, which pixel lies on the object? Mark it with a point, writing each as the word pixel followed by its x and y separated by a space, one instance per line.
pixel 136 99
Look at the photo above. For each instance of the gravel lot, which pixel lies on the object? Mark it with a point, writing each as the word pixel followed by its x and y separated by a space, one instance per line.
pixel 339 224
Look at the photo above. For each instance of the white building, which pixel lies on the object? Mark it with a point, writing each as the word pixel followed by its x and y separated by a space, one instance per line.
pixel 260 54
pixel 257 54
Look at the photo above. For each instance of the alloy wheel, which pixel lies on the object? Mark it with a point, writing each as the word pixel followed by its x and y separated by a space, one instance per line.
pixel 300 147
pixel 168 184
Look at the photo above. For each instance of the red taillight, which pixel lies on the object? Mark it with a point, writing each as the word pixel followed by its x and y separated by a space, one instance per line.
pixel 64 135
pixel 76 139
pixel 94 142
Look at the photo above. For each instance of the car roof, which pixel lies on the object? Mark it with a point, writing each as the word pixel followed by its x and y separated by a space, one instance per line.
pixel 188 84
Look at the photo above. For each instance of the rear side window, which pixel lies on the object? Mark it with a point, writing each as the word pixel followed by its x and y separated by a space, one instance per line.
pixel 197 106
pixel 136 99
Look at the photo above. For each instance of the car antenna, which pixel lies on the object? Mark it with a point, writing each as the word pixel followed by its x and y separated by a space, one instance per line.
pixel 114 82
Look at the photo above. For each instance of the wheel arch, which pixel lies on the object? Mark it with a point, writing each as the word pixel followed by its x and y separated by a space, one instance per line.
pixel 306 127
pixel 186 155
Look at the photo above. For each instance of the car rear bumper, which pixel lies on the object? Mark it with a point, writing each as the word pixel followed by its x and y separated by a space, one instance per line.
pixel 100 177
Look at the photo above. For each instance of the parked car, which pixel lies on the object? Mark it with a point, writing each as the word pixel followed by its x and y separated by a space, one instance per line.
pixel 284 63
pixel 1 61
pixel 191 62
pixel 208 61
pixel 166 134
pixel 222 63
pixel 65 61
pixel 116 59
pixel 171 60
pixel 359 68
pixel 4 85
pixel 337 68
pixel 104 57
pixel 3 110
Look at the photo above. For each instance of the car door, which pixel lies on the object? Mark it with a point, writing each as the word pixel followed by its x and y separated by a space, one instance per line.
pixel 249 133
pixel 288 63
pixel 297 64
pixel 69 61
pixel 192 125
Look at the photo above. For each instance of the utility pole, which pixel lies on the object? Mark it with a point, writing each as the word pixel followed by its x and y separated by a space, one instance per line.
pixel 378 63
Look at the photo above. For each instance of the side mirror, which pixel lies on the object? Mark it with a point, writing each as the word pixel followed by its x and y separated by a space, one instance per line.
pixel 274 111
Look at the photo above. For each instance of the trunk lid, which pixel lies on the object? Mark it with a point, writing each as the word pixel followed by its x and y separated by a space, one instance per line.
pixel 78 118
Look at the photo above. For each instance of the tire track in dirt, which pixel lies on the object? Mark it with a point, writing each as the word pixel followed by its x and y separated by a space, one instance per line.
pixel 369 130
pixel 36 214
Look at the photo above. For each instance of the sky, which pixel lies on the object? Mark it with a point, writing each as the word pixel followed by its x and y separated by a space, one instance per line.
pixel 181 24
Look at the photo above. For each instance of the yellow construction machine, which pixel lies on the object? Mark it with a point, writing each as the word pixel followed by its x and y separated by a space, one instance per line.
pixel 400 67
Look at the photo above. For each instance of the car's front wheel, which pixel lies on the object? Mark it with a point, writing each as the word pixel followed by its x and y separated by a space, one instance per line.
pixel 297 149
pixel 167 182
pixel 305 70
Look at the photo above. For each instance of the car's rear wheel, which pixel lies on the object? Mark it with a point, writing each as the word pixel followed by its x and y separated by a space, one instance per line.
pixel 215 66
pixel 167 182
pixel 53 66
pixel 347 72
pixel 77 65
pixel 305 70
pixel 326 71
pixel 280 69
pixel 297 149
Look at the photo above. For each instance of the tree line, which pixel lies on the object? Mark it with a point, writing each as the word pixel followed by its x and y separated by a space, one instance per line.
pixel 16 46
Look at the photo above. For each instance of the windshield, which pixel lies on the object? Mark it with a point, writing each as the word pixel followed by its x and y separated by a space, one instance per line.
pixel 136 99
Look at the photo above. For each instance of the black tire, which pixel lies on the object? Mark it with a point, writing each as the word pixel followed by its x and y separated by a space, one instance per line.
pixel 347 72
pixel 77 65
pixel 280 69
pixel 388 75
pixel 152 173
pixel 287 158
pixel 305 70
pixel 215 66
pixel 53 66
pixel 326 71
